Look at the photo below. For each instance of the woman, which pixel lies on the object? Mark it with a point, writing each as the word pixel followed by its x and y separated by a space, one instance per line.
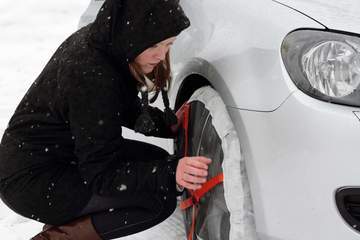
pixel 63 160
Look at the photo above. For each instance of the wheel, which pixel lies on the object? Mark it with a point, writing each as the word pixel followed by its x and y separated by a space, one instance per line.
pixel 224 212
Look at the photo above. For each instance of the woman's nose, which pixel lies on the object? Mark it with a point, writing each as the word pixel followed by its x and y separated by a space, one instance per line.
pixel 161 53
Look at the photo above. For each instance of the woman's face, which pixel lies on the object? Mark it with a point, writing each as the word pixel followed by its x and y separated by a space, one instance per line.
pixel 149 58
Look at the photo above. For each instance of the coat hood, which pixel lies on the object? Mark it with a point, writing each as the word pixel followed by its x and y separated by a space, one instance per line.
pixel 125 28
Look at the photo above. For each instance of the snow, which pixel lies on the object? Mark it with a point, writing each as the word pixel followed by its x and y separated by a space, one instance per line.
pixel 31 31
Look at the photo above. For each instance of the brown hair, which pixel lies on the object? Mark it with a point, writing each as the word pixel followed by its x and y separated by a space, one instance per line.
pixel 161 73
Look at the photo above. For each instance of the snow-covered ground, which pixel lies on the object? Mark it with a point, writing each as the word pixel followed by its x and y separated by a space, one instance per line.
pixel 30 31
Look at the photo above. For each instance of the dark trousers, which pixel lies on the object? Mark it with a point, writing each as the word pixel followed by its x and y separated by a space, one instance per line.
pixel 112 220
pixel 115 217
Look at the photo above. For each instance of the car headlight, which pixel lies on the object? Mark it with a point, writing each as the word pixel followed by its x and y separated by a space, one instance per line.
pixel 324 64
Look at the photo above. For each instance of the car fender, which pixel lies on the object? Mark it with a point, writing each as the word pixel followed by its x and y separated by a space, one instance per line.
pixel 241 61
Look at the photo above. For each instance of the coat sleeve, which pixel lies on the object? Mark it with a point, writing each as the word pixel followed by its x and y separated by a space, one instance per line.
pixel 98 105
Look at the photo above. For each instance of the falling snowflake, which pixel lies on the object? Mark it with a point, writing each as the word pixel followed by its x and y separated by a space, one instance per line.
pixel 122 187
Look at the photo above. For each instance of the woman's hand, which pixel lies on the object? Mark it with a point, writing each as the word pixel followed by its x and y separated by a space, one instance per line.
pixel 191 172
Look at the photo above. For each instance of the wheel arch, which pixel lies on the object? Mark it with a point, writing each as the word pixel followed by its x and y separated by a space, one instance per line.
pixel 195 74
pixel 188 87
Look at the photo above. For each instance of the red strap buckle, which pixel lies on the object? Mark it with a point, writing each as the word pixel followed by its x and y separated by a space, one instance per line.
pixel 198 194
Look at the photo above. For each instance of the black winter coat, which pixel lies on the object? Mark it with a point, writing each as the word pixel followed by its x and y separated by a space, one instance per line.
pixel 64 141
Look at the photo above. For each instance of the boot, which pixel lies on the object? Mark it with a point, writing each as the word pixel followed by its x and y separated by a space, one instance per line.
pixel 80 229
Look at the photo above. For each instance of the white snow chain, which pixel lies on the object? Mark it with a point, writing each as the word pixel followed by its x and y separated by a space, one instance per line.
pixel 229 179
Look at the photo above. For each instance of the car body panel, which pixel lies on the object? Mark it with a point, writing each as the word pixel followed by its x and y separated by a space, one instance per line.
pixel 90 13
pixel 227 39
pixel 334 14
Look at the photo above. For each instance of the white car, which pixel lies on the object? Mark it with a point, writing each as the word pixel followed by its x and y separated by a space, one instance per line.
pixel 273 86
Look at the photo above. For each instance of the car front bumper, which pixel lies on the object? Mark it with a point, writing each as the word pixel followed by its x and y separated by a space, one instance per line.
pixel 297 157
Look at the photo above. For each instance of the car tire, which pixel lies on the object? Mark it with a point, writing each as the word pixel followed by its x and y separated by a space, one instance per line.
pixel 225 212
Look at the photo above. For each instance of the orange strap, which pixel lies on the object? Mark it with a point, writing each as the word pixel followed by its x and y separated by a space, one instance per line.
pixel 196 195
pixel 185 111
